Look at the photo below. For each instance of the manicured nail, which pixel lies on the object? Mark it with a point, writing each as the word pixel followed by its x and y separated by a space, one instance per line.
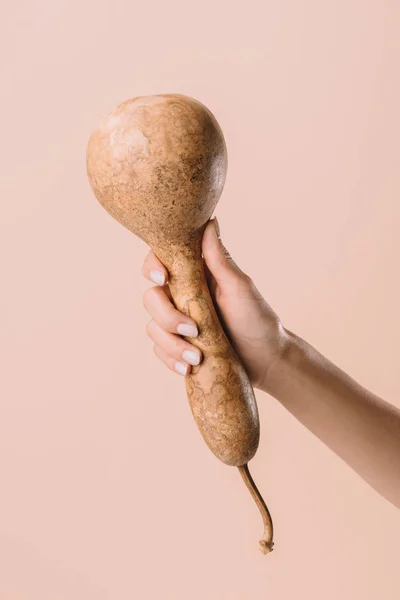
pixel 181 368
pixel 187 330
pixel 191 357
pixel 158 277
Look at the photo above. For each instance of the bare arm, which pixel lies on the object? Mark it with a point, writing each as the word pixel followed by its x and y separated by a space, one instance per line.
pixel 357 425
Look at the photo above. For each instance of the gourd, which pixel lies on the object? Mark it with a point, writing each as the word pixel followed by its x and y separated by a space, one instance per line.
pixel 158 165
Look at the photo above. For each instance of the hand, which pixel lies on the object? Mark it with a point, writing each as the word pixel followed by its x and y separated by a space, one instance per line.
pixel 253 328
pixel 360 427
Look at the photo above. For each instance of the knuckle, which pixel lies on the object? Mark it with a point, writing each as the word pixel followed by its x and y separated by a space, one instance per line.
pixel 243 285
pixel 170 322
pixel 246 283
pixel 177 345
pixel 146 297
pixel 149 296
pixel 246 279
pixel 145 266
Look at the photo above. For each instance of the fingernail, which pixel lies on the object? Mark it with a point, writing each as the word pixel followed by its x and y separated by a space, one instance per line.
pixel 217 228
pixel 191 357
pixel 187 330
pixel 158 277
pixel 181 368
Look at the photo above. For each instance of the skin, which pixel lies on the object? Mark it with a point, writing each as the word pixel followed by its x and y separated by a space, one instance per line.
pixel 360 427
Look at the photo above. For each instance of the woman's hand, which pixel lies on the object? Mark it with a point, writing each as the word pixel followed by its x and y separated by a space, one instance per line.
pixel 360 427
pixel 251 325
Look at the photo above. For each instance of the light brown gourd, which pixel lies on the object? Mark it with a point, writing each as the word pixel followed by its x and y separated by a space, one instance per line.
pixel 158 165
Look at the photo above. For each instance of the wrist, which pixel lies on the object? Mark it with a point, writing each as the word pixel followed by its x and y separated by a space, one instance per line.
pixel 285 363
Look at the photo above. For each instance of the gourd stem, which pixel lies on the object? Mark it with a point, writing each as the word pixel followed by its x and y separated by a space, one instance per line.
pixel 266 543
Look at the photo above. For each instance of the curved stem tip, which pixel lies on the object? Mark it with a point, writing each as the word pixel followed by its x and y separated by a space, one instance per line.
pixel 266 543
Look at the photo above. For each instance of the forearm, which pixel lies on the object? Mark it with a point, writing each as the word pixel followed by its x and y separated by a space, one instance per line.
pixel 361 428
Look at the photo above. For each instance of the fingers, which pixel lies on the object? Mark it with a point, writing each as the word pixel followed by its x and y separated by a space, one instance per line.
pixel 175 350
pixel 168 324
pixel 217 258
pixel 172 364
pixel 154 270
pixel 160 308
pixel 221 270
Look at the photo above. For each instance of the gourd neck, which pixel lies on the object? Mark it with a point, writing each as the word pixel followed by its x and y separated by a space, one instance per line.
pixel 183 260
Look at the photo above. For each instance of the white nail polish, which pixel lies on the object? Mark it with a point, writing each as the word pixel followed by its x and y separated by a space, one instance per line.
pixel 180 368
pixel 157 277
pixel 191 357
pixel 187 330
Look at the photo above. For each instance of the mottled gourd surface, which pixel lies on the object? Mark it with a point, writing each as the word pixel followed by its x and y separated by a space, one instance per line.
pixel 158 165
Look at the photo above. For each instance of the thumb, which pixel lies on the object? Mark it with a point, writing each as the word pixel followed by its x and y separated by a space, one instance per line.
pixel 216 256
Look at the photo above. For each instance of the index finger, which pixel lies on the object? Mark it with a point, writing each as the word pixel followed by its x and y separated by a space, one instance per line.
pixel 154 270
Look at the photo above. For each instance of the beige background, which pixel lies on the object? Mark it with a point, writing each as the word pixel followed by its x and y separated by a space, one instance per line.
pixel 107 490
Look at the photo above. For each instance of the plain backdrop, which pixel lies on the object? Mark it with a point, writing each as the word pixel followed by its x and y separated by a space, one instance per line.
pixel 107 489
